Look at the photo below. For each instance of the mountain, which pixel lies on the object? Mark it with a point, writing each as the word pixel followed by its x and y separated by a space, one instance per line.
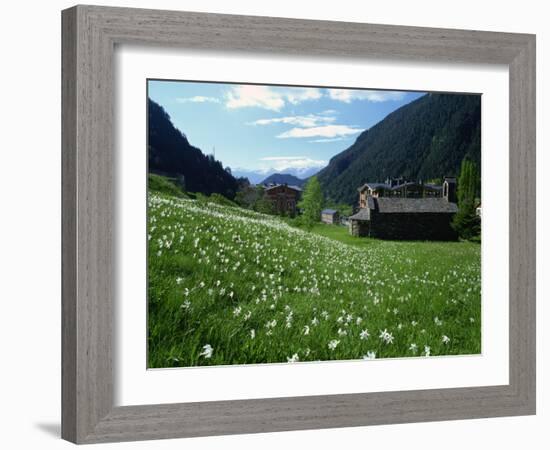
pixel 257 176
pixel 423 140
pixel 171 154
pixel 283 178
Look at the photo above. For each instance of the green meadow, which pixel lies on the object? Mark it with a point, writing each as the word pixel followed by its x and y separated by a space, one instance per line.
pixel 227 285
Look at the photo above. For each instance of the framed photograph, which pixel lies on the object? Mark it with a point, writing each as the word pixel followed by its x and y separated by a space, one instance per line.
pixel 276 224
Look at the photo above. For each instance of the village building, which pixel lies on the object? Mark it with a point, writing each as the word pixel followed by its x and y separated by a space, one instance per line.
pixel 330 216
pixel 398 187
pixel 410 214
pixel 284 198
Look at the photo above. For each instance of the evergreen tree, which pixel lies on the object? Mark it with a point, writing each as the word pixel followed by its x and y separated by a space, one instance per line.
pixel 311 203
pixel 466 222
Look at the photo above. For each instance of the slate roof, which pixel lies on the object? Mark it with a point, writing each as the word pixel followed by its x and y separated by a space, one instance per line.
pixel 399 205
pixel 375 186
pixel 395 205
pixel 362 214
pixel 296 188
pixel 328 211
pixel 435 187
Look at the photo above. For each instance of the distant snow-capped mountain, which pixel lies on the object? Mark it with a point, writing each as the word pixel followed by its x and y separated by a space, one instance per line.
pixel 257 176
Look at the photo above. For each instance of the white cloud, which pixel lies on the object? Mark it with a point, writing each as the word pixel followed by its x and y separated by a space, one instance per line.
pixel 310 120
pixel 267 97
pixel 327 131
pixel 298 95
pixel 348 95
pixel 281 163
pixel 330 139
pixel 198 99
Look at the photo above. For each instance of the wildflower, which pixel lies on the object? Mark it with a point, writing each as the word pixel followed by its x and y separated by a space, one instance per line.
pixel 185 305
pixel 445 339
pixel 370 355
pixel 252 333
pixel 438 321
pixel 207 351
pixel 294 358
pixel 427 350
pixel 179 280
pixel 413 348
pixel 358 320
pixel 201 284
pixel 386 336
pixel 315 321
pixel 237 311
pixel 306 330
pixel 247 315
pixel 364 334
pixel 333 344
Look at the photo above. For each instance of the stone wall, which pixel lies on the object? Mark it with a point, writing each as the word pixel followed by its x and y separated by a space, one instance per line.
pixel 413 226
pixel 358 228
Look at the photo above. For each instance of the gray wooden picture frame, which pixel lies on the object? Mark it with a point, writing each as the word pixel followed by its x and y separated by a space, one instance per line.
pixel 90 34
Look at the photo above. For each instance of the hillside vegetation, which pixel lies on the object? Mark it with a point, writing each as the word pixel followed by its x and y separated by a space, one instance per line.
pixel 423 140
pixel 233 286
pixel 171 154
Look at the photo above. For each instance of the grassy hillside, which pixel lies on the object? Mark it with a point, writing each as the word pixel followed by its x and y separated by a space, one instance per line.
pixel 425 139
pixel 253 289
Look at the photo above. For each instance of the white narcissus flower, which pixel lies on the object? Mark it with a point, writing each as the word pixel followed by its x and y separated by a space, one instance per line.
pixel 333 344
pixel 386 336
pixel 294 358
pixel 364 334
pixel 186 304
pixel 445 339
pixel 370 355
pixel 207 351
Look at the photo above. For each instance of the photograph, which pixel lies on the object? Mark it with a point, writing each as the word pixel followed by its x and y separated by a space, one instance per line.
pixel 294 224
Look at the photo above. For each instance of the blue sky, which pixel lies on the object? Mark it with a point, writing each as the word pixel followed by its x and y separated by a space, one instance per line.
pixel 273 128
